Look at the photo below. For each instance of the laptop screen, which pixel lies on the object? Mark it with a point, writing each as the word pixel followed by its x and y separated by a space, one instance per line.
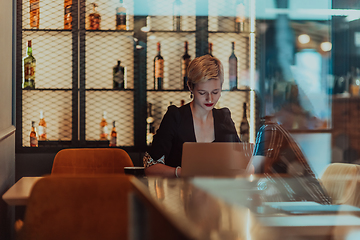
pixel 221 159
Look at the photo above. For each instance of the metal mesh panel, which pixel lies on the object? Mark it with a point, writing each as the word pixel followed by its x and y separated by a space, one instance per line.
pixel 53 54
pixel 52 48
pixel 222 15
pixel 222 50
pixel 162 15
pixel 103 49
pixel 172 49
pixel 119 106
pixel 56 106
pixel 51 14
pixel 107 11
pixel 55 50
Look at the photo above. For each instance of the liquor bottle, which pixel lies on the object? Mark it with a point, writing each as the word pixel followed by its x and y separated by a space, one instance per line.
pixel 94 18
pixel 210 49
pixel 339 86
pixel 113 136
pixel 29 68
pixel 355 83
pixel 244 126
pixel 121 16
pixel 150 130
pixel 104 128
pixel 177 4
pixel 185 61
pixel 233 68
pixel 182 102
pixel 67 14
pixel 158 69
pixel 240 16
pixel 34 13
pixel 33 135
pixel 118 76
pixel 42 127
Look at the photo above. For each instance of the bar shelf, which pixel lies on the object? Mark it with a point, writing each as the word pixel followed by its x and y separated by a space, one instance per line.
pixel 109 30
pixel 46 30
pixel 75 70
pixel 110 89
pixel 245 34
pixel 171 31
pixel 48 89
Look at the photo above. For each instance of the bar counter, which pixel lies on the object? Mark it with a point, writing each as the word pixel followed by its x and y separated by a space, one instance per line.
pixel 229 209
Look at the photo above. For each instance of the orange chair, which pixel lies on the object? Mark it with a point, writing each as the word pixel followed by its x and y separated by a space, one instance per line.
pixel 341 182
pixel 91 161
pixel 78 207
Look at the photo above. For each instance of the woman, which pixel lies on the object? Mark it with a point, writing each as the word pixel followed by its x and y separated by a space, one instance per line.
pixel 197 121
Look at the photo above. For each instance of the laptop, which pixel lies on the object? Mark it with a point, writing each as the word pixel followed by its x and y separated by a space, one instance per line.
pixel 220 159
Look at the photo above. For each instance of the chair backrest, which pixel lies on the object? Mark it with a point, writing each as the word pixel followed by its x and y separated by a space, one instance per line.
pixel 341 182
pixel 78 207
pixel 91 161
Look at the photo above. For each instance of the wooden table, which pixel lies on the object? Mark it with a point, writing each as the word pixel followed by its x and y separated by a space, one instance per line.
pixel 19 193
pixel 226 209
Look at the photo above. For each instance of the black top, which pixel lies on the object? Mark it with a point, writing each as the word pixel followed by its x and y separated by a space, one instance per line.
pixel 177 127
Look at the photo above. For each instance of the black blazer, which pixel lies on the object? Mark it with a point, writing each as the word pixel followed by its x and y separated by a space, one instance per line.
pixel 177 127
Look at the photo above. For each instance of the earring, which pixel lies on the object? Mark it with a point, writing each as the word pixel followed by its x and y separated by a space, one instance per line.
pixel 191 95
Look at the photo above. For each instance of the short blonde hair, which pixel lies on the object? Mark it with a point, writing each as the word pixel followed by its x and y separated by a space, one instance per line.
pixel 205 68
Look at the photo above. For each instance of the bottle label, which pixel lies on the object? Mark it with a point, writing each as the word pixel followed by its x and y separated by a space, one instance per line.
pixel 244 128
pixel 121 16
pixel 33 141
pixel 119 77
pixel 41 131
pixel 94 22
pixel 34 6
pixel 67 17
pixel 159 68
pixel 113 141
pixel 29 70
pixel 184 65
pixel 233 67
pixel 104 132
pixel 233 73
pixel 67 10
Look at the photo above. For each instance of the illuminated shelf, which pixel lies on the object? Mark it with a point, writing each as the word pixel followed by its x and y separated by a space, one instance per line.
pixel 245 34
pixel 46 30
pixel 110 30
pixel 181 90
pixel 48 89
pixel 170 31
pixel 109 89
pixel 168 90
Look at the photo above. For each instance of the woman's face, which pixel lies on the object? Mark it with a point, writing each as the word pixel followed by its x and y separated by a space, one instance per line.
pixel 207 94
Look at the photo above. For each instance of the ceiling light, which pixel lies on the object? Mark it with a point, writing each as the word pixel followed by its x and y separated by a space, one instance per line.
pixel 304 38
pixel 326 46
